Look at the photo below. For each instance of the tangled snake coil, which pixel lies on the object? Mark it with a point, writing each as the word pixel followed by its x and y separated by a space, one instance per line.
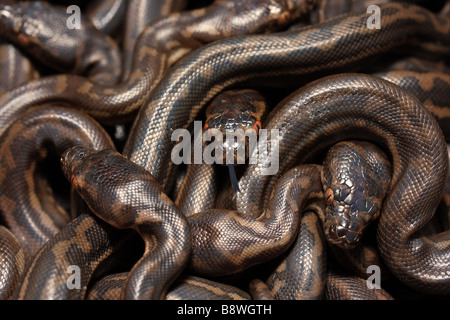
pixel 363 117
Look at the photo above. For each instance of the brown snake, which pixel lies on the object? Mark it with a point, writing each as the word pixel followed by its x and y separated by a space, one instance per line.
pixel 81 51
pixel 145 140
pixel 185 288
pixel 192 83
pixel 218 234
pixel 145 208
pixel 12 262
pixel 344 286
pixel 240 59
pixel 399 241
pixel 160 45
pixel 38 134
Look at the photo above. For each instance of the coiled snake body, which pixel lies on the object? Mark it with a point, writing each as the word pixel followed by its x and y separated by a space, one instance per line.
pixel 160 45
pixel 329 110
pixel 352 108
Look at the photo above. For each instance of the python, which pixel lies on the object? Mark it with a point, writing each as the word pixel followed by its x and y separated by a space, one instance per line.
pixel 235 147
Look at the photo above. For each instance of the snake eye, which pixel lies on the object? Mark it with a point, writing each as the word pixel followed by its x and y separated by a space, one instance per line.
pixel 257 126
pixel 73 181
pixel 329 196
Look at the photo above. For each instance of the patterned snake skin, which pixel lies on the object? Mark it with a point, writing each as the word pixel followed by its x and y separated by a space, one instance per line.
pixel 217 234
pixel 179 232
pixel 160 45
pixel 38 133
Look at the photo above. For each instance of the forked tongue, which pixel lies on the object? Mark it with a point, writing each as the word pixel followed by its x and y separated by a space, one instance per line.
pixel 233 178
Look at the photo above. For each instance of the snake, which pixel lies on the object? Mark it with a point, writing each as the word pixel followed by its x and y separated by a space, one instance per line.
pixel 246 98
pixel 87 243
pixel 41 31
pixel 184 288
pixel 265 58
pixel 138 204
pixel 288 195
pixel 34 9
pixel 153 142
pixel 84 167
pixel 12 262
pixel 326 99
pixel 355 186
pixel 430 87
pixel 301 272
pixel 198 189
pixel 331 8
pixel 212 91
pixel 207 219
pixel 196 288
pixel 233 118
pixel 160 45
pixel 259 290
pixel 41 133
pixel 15 68
pixel 344 286
pixel 139 13
pixel 236 112
pixel 106 16
pixel 107 288
pixel 392 244
pixel 110 286
pixel 359 173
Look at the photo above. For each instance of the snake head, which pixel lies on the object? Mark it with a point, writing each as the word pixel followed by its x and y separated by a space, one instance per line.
pixel 355 177
pixel 21 22
pixel 348 214
pixel 9 19
pixel 77 163
pixel 101 178
pixel 40 30
pixel 259 15
pixel 233 123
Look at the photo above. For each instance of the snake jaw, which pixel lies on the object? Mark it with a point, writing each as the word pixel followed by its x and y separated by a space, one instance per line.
pixel 349 212
pixel 344 227
pixel 73 164
pixel 341 236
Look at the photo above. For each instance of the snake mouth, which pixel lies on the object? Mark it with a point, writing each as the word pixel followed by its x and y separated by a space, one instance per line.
pixel 233 146
pixel 346 221
pixel 341 236
pixel 71 157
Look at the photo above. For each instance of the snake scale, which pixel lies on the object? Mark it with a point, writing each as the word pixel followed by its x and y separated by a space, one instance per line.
pixel 333 207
